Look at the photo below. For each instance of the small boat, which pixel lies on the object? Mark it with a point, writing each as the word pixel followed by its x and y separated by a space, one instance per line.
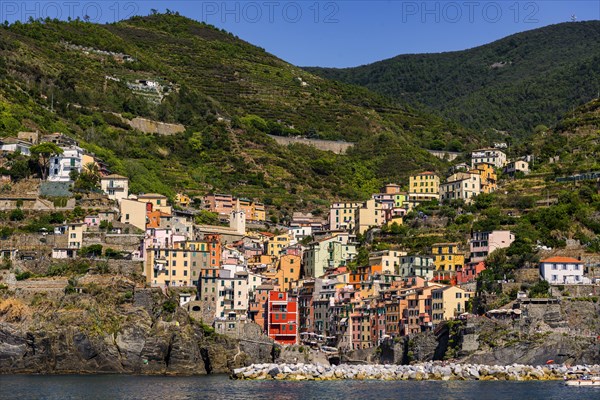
pixel 585 380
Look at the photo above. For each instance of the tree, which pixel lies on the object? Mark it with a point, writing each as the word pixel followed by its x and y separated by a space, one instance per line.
pixel 42 152
pixel 89 178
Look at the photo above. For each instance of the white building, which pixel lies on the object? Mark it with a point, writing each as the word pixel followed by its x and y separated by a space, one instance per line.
pixel 516 166
pixel 297 233
pixel 115 186
pixel 61 165
pixel 13 145
pixel 462 185
pixel 232 301
pixel 490 156
pixel 562 270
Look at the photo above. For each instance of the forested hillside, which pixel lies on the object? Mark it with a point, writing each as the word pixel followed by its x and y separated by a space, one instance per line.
pixel 80 78
pixel 513 84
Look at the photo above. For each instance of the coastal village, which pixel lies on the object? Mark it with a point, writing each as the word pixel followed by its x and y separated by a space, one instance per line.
pixel 307 282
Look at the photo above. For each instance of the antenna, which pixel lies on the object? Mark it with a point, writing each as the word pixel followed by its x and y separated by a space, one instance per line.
pixel 573 18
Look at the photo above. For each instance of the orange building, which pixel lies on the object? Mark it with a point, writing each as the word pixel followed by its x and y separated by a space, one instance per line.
pixel 362 274
pixel 288 271
pixel 214 249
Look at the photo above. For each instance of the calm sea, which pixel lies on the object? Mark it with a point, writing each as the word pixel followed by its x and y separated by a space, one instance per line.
pixel 219 387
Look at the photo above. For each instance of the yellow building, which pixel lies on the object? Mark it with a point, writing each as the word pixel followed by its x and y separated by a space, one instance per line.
pixel 133 212
pixel 276 244
pixel 260 213
pixel 370 214
pixel 447 257
pixel 86 160
pixel 183 200
pixel 448 302
pixel 488 176
pixel 158 201
pixel 169 267
pixel 75 235
pixel 288 271
pixel 341 216
pixel 424 187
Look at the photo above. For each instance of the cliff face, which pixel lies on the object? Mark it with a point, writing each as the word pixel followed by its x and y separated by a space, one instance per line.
pixel 113 328
pixel 565 333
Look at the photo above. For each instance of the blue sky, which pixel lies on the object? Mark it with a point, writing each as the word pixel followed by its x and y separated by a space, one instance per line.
pixel 340 33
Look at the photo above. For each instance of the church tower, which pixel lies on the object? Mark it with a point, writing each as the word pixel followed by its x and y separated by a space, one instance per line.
pixel 238 219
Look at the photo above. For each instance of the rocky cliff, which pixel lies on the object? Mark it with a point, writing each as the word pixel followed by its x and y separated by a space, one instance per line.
pixel 106 324
pixel 565 332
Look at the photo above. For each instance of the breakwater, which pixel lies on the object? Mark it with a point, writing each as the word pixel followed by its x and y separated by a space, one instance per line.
pixel 425 371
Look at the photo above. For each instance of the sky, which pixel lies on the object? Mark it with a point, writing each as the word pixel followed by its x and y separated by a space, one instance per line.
pixel 341 33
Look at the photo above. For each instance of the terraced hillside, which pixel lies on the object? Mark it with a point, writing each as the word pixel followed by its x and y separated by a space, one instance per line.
pixel 75 76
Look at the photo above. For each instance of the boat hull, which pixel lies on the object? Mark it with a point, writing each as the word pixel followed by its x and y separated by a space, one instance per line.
pixel 582 383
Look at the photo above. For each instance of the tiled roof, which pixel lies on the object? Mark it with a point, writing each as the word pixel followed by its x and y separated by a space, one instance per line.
pixel 559 259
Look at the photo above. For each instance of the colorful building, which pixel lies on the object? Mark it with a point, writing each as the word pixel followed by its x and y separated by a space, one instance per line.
pixel 288 271
pixel 483 244
pixel 448 302
pixel 489 179
pixel 282 314
pixel 370 214
pixel 341 216
pixel 424 187
pixel 447 256
pixel 276 245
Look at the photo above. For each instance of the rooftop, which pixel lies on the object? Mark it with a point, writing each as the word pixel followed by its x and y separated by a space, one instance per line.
pixel 114 176
pixel 559 259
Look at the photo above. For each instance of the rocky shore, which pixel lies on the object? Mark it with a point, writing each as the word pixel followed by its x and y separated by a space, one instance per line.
pixel 419 372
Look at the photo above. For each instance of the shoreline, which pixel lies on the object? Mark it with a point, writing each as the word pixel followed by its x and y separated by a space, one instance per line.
pixel 431 371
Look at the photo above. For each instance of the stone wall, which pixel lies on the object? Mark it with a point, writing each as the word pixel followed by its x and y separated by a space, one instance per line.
pixel 123 242
pixel 527 275
pixel 336 147
pixel 149 126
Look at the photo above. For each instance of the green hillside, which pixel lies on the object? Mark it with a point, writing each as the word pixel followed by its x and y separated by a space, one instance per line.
pixel 74 77
pixel 513 84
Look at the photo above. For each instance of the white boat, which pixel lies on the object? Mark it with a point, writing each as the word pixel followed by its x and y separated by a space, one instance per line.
pixel 585 380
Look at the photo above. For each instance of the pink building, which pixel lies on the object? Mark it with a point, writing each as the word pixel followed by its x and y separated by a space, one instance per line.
pixel 484 243
pixel 92 220
pixel 160 238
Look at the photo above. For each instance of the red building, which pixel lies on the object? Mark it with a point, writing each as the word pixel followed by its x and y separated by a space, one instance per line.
pixel 282 317
pixel 469 272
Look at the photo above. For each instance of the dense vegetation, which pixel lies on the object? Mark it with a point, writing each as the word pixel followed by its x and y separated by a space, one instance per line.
pixel 513 84
pixel 60 76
